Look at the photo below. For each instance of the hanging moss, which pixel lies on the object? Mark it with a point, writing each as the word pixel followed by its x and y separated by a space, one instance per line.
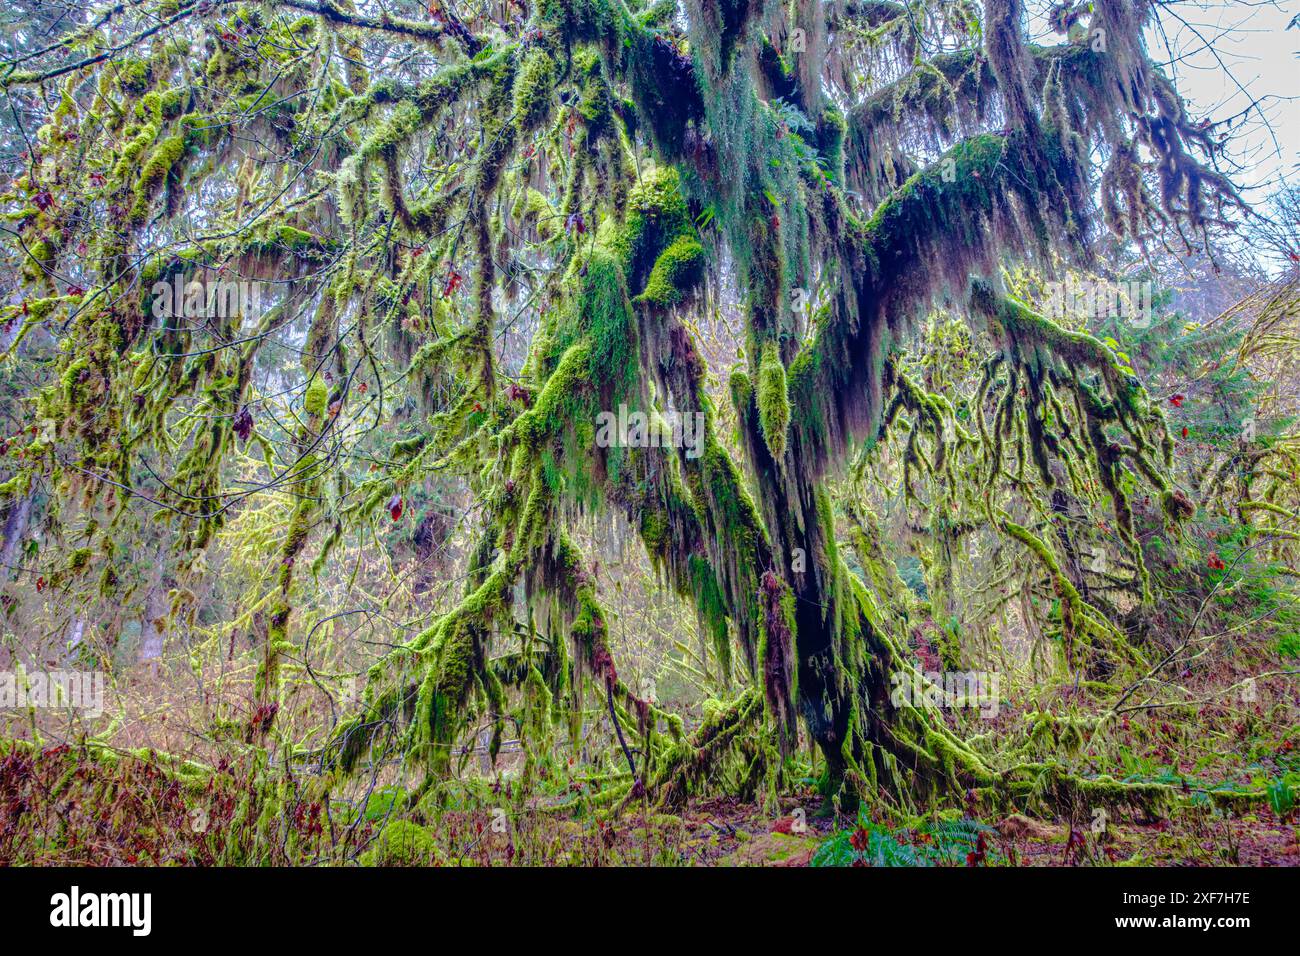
pixel 773 401
pixel 534 88
pixel 154 174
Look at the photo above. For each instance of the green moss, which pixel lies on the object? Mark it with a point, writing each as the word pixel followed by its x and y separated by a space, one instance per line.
pixel 742 391
pixel 402 843
pixel 133 74
pixel 173 103
pixel 295 239
pixel 533 208
pixel 150 106
pixel 831 131
pixel 656 216
pixel 316 397
pixel 533 88
pixel 586 62
pixel 773 401
pixel 41 250
pixel 73 382
pixel 155 172
pixel 15 486
pixel 678 268
pixel 40 255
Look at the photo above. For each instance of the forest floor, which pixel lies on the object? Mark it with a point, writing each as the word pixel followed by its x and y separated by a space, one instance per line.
pixel 726 832
pixel 1231 766
pixel 59 807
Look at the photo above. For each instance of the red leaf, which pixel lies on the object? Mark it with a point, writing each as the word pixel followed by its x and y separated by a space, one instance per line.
pixel 395 506
pixel 1176 400
pixel 243 423
pixel 454 282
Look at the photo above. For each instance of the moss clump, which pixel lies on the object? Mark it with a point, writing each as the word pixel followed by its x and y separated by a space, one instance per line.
pixel 676 270
pixel 134 149
pixel 742 391
pixel 150 106
pixel 295 240
pixel 654 529
pixel 17 485
pixel 773 401
pixel 534 209
pixel 133 75
pixel 656 216
pixel 316 397
pixel 40 255
pixel 159 166
pixel 402 843
pixel 74 380
pixel 172 103
pixel 154 107
pixel 831 131
pixel 533 88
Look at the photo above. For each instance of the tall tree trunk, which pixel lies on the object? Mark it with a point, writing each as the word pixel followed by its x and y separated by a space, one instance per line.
pixel 15 529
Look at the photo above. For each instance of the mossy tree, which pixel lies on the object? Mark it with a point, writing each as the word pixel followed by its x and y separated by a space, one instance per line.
pixel 410 186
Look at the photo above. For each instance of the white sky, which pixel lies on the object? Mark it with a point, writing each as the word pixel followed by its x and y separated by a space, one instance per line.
pixel 1251 45
pixel 1221 54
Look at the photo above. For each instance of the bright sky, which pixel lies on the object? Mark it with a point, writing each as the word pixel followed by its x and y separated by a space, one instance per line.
pixel 1251 45
pixel 1223 53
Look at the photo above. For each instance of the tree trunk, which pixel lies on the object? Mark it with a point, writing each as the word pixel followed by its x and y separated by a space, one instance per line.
pixel 15 530
pixel 153 626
